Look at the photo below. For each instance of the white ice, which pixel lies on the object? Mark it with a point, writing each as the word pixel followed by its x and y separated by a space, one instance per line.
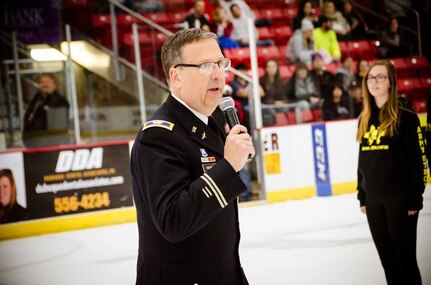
pixel 313 241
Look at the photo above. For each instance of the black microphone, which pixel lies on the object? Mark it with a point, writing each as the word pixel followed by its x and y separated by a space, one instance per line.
pixel 227 105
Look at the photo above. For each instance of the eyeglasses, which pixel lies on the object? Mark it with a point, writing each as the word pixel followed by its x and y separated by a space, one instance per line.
pixel 208 67
pixel 378 78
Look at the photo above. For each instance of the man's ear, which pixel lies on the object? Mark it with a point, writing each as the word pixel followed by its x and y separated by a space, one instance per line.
pixel 175 78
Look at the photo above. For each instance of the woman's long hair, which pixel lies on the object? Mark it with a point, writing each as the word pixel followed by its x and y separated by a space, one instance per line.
pixel 388 115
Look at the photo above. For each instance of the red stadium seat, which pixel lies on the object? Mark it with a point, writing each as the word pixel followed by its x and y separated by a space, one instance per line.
pixel 290 13
pixel 239 55
pixel 426 84
pixel 317 114
pixel 420 105
pixel 281 34
pixel 418 65
pixel 125 20
pixel 228 76
pixel 282 51
pixel 291 118
pixel 160 18
pixel 307 116
pixel 144 38
pixel 266 53
pixel 344 49
pixel 177 16
pixel 264 33
pixel 400 67
pixel 359 49
pixel 174 5
pixel 101 20
pixel 273 14
pixel 285 72
pixel 281 119
pixel 405 85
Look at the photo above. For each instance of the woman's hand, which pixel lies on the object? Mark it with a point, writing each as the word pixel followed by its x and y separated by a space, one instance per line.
pixel 363 210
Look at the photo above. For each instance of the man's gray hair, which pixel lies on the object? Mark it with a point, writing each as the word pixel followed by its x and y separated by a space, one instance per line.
pixel 173 47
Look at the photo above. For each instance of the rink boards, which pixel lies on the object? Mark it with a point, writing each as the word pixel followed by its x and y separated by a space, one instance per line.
pixel 74 187
pixel 308 160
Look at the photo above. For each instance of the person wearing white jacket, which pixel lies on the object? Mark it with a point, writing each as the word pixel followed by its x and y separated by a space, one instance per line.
pixel 301 45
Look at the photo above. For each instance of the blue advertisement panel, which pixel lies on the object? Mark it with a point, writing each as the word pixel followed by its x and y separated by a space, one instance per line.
pixel 321 165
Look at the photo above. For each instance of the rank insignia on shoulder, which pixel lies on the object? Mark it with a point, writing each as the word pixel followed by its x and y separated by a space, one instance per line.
pixel 159 124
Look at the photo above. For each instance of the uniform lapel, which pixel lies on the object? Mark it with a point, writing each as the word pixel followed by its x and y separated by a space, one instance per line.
pixel 198 131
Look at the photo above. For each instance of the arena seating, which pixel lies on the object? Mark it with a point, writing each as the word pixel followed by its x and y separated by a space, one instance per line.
pixel 414 72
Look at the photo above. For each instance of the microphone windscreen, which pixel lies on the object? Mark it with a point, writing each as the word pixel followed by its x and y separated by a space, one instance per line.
pixel 226 103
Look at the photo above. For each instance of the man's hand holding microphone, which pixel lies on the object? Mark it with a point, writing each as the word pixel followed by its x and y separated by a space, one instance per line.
pixel 239 147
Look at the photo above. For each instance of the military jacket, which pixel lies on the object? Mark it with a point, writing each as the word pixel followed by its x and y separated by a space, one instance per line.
pixel 186 198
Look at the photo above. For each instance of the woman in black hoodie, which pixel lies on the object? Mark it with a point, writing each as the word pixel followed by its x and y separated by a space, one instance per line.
pixel 392 173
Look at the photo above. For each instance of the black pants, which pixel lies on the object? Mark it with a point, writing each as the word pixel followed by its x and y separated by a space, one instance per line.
pixel 394 234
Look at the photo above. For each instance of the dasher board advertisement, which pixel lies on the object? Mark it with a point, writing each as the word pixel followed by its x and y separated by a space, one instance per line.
pixel 77 180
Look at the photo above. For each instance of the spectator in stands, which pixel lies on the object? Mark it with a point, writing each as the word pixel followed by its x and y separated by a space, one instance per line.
pixel 392 174
pixel 362 67
pixel 36 115
pixel 321 78
pixel 336 106
pixel 355 99
pixel 391 43
pixel 325 40
pixel 148 6
pixel 241 91
pixel 301 45
pixel 272 84
pixel 246 11
pixel 305 11
pixel 222 27
pixel 301 90
pixel 339 25
pixel 197 18
pixel 345 74
pixel 10 210
pixel 359 28
pixel 240 29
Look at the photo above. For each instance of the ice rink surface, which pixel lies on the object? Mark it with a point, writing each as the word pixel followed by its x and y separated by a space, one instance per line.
pixel 314 241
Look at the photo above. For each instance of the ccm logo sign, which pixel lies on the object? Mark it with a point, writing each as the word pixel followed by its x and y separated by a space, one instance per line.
pixel 320 154
pixel 80 159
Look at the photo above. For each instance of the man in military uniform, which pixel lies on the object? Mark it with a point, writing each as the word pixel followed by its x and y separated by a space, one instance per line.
pixel 184 173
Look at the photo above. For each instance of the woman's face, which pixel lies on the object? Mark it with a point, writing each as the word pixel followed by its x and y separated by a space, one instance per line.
pixel 363 66
pixel 307 8
pixel 5 190
pixel 271 68
pixel 378 83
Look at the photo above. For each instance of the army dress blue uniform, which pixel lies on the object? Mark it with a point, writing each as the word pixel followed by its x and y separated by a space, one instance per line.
pixel 186 198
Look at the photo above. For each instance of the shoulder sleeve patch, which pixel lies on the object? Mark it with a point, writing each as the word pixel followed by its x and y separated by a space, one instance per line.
pixel 159 124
